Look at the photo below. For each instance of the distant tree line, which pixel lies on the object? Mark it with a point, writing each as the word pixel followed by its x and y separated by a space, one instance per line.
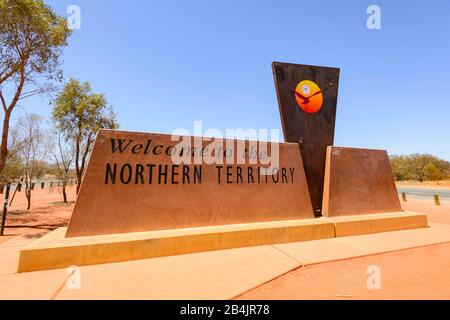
pixel 58 147
pixel 32 39
pixel 420 167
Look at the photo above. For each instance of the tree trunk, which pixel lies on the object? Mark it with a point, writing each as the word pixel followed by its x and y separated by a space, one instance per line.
pixel 7 112
pixel 79 174
pixel 64 193
pixel 4 146
pixel 77 163
pixel 28 194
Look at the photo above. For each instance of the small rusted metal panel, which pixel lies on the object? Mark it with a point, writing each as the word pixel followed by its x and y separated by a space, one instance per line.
pixel 359 181
pixel 305 123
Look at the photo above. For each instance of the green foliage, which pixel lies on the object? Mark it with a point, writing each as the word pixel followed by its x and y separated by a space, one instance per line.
pixel 31 37
pixel 41 169
pixel 420 167
pixel 79 112
pixel 13 170
pixel 431 172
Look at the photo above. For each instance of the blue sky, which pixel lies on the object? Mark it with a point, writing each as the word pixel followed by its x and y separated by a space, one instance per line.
pixel 164 64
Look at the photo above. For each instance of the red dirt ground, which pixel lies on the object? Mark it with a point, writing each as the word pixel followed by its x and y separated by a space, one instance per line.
pixel 47 213
pixel 419 273
pixel 409 274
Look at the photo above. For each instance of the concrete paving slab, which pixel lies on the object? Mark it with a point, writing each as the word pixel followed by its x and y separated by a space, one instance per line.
pixel 419 273
pixel 208 275
pixel 318 251
pixel 346 226
pixel 6 238
pixel 31 286
pixel 394 241
pixel 10 252
pixel 57 251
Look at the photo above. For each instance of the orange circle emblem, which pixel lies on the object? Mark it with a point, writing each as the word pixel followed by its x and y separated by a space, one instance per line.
pixel 309 96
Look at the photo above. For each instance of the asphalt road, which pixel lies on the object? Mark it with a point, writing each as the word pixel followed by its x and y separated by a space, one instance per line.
pixel 425 193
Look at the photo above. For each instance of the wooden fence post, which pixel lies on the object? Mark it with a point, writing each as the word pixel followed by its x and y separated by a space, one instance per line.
pixel 5 209
pixel 436 200
pixel 404 197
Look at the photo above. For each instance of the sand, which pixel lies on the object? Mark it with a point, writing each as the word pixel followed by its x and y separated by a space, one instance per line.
pixel 420 273
pixel 47 213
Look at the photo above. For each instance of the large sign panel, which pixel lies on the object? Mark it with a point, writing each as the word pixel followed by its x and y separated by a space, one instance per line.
pixel 143 182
